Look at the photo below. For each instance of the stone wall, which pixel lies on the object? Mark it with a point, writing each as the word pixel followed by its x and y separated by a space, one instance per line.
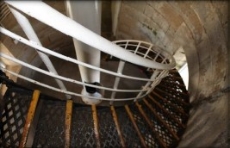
pixel 200 27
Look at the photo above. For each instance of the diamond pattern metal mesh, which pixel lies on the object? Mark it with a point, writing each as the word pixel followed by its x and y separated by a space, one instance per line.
pixel 163 133
pixel 173 111
pixel 130 135
pixel 164 116
pixel 50 129
pixel 82 134
pixel 15 105
pixel 144 128
pixel 176 100
pixel 107 130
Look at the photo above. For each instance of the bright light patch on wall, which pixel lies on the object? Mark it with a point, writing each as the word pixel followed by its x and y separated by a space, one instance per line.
pixel 2 65
pixel 182 65
pixel 183 71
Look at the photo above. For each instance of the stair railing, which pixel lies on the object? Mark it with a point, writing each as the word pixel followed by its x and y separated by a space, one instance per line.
pixel 152 59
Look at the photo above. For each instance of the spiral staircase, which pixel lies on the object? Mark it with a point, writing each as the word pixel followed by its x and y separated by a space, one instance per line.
pixel 134 98
pixel 158 120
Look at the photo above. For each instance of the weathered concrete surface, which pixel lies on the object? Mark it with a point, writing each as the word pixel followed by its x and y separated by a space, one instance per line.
pixel 200 27
pixel 207 125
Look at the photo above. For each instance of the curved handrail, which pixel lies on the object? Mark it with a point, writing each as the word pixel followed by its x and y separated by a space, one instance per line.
pixel 51 17
pixel 153 47
pixel 64 78
pixel 63 57
pixel 69 92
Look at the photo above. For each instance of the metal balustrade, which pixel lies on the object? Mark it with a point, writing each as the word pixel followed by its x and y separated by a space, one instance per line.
pixel 152 59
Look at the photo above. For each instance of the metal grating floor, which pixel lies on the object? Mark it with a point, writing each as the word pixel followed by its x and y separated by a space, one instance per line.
pixel 159 120
pixel 15 106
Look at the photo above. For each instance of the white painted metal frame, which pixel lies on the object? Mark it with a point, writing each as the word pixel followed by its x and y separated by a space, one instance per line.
pixel 30 33
pixel 47 51
pixel 136 52
pixel 157 74
pixel 88 14
pixel 58 21
pixel 64 78
pixel 63 91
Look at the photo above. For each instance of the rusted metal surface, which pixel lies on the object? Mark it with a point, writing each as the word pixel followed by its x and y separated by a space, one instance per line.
pixel 172 96
pixel 13 110
pixel 173 82
pixel 29 118
pixel 95 123
pixel 159 118
pixel 82 129
pixel 177 78
pixel 175 91
pixel 114 114
pixel 50 130
pixel 173 71
pixel 150 124
pixel 167 112
pixel 135 126
pixel 68 119
pixel 173 105
pixel 171 86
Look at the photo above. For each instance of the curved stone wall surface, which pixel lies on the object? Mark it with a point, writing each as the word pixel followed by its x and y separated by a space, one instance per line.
pixel 201 28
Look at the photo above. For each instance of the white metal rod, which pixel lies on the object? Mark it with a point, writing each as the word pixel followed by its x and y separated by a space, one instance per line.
pixel 61 77
pixel 148 84
pixel 154 48
pixel 50 52
pixel 115 13
pixel 62 91
pixel 2 65
pixel 147 52
pixel 138 46
pixel 117 80
pixel 156 80
pixel 88 14
pixel 55 19
pixel 156 56
pixel 30 33
pixel 140 53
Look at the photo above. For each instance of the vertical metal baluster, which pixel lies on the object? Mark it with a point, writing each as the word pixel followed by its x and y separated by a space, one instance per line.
pixel 147 52
pixel 117 80
pixel 32 36
pixel 135 52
